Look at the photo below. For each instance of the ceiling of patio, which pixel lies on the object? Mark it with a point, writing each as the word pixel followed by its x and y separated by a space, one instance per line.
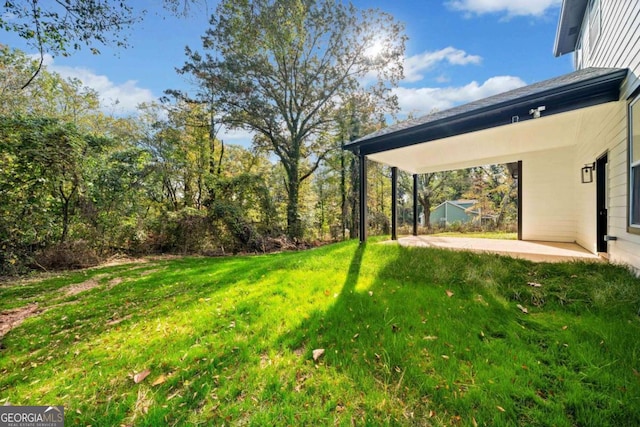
pixel 497 145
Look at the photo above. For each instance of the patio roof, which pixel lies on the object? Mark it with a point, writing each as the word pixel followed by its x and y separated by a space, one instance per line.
pixel 580 89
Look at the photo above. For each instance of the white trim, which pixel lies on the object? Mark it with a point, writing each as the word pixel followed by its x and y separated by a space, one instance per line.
pixel 634 166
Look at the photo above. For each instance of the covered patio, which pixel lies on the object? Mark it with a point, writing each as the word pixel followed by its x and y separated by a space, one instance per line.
pixel 529 250
pixel 539 131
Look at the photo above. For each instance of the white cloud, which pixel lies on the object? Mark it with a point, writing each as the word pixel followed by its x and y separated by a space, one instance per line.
pixel 510 7
pixel 420 101
pixel 115 98
pixel 416 65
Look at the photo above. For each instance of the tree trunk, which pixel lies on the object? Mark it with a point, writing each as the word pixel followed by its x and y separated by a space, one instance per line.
pixel 66 205
pixel 65 220
pixel 188 193
pixel 294 225
pixel 343 195
pixel 425 202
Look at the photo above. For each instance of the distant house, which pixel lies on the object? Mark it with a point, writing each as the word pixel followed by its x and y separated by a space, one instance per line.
pixel 573 141
pixel 451 211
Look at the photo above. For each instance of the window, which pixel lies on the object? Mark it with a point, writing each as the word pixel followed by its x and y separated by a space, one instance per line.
pixel 634 166
pixel 595 19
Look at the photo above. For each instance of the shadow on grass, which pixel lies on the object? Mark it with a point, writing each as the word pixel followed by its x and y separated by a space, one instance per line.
pixel 190 319
pixel 439 337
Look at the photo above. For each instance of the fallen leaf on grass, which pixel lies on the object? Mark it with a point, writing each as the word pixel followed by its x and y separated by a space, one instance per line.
pixel 564 328
pixel 317 354
pixel 445 357
pixel 161 379
pixel 140 376
pixel 327 292
pixel 523 309
pixel 177 393
pixel 370 293
pixel 356 336
pixel 449 293
pixel 501 409
pixel 430 338
pixel 534 284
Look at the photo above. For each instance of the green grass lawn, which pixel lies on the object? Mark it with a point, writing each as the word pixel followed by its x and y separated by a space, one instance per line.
pixel 412 336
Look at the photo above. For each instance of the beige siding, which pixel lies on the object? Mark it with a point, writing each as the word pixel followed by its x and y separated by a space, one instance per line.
pixel 591 146
pixel 611 138
pixel 548 202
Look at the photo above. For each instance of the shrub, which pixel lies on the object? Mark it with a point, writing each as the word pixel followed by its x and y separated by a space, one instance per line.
pixel 66 256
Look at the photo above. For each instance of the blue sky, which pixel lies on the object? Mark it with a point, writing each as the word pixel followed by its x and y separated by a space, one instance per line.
pixel 458 51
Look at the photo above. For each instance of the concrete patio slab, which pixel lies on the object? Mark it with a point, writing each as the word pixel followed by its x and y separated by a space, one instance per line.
pixel 530 250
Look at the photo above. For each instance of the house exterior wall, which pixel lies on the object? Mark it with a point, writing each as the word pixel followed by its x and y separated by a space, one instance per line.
pixel 543 174
pixel 610 139
pixel 613 140
pixel 616 44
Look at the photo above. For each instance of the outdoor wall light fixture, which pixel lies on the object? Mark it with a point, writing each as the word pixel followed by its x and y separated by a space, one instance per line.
pixel 587 173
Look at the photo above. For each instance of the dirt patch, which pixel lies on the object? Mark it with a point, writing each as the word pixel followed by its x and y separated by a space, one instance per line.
pixel 7 282
pixel 77 288
pixel 121 260
pixel 114 282
pixel 10 319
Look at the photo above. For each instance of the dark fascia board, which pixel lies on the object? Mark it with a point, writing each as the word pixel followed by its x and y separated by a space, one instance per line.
pixel 569 24
pixel 582 94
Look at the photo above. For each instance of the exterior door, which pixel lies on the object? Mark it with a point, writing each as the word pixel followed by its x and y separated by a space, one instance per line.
pixel 601 202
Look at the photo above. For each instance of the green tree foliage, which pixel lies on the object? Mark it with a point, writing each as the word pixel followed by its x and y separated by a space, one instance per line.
pixel 492 187
pixel 48 96
pixel 73 179
pixel 39 182
pixel 281 69
pixel 496 191
pixel 434 188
